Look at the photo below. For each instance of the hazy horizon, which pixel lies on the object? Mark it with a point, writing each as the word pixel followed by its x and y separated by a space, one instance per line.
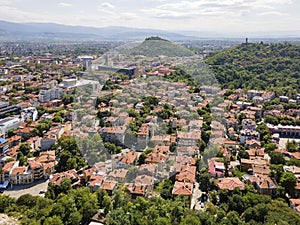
pixel 219 16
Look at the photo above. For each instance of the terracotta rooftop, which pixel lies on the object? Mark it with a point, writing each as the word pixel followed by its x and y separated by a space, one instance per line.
pixel 182 188
pixel 108 185
pixel 8 166
pixel 189 135
pixel 128 158
pixel 137 189
pixel 118 173
pixel 155 158
pixel 144 180
pixel 19 170
pixel 230 183
pixel 147 168
pixel 95 179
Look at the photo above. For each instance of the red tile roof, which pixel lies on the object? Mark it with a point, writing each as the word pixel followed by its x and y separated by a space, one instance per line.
pixel 230 183
pixel 182 188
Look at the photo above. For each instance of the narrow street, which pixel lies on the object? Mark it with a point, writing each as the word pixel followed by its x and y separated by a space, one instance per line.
pixel 195 204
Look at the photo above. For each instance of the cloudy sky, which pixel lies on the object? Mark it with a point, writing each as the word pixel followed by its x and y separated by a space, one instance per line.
pixel 194 15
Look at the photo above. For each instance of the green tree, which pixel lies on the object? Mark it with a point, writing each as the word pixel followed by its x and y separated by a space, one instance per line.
pixel 53 220
pixel 204 180
pixel 288 181
pixel 25 148
pixel 277 158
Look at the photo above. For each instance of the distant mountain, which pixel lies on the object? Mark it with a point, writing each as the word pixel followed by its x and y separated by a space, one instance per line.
pixel 156 46
pixel 52 31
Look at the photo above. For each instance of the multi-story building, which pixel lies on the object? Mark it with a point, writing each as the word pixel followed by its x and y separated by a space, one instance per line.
pixel 248 135
pixel 113 134
pixel 191 138
pixel 9 123
pixel 248 124
pixel 50 94
pixel 29 114
pixel 21 175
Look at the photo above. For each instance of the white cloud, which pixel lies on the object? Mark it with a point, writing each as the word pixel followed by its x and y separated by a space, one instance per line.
pixel 272 13
pixel 107 5
pixel 63 4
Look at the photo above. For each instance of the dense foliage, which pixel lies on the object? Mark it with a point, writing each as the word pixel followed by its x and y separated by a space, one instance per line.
pixel 157 47
pixel 261 66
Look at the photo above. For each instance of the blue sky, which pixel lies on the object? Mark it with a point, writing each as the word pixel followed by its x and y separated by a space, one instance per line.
pixel 200 15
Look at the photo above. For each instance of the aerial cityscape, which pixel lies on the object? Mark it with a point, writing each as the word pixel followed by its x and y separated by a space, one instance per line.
pixel 157 112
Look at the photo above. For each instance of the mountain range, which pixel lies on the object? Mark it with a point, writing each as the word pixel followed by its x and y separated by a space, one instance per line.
pixel 52 32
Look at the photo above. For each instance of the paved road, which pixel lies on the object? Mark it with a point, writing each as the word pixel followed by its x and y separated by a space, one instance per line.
pixel 32 189
pixel 283 141
pixel 196 195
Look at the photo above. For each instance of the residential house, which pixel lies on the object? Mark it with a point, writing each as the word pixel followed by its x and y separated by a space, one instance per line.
pixel 183 188
pixel 57 178
pixel 125 160
pixel 110 186
pixel 247 164
pixel 295 204
pixel 148 169
pixel 230 183
pixel 138 190
pixel 155 158
pixel 21 175
pixel 7 169
pixel 113 134
pixel 264 184
pixel 248 124
pixel 189 151
pixel 248 135
pixel 191 138
pixel 95 182
pixel 186 174
pixel 118 175
pixel 36 168
pixel 216 169
pixel 143 135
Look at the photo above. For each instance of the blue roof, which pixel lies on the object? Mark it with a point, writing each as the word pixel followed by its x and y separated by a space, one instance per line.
pixel 2 140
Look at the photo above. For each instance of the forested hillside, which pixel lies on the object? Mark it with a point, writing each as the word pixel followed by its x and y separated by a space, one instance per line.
pixel 274 67
pixel 155 46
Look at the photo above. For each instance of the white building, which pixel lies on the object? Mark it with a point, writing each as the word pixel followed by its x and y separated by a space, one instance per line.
pixel 29 114
pixel 51 94
pixel 9 123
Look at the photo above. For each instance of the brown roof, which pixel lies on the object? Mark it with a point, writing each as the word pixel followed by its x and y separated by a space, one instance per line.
pixel 162 149
pixel 230 183
pixel 19 170
pixel 185 160
pixel 58 177
pixel 263 182
pixel 256 152
pixel 187 174
pixel 296 155
pixel 148 168
pixel 258 169
pixel 189 135
pixel 89 172
pixel 95 179
pixel 108 185
pixel 137 189
pixel 144 180
pixel 128 158
pixel 155 158
pixel 118 173
pixel 182 188
pixel 8 166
